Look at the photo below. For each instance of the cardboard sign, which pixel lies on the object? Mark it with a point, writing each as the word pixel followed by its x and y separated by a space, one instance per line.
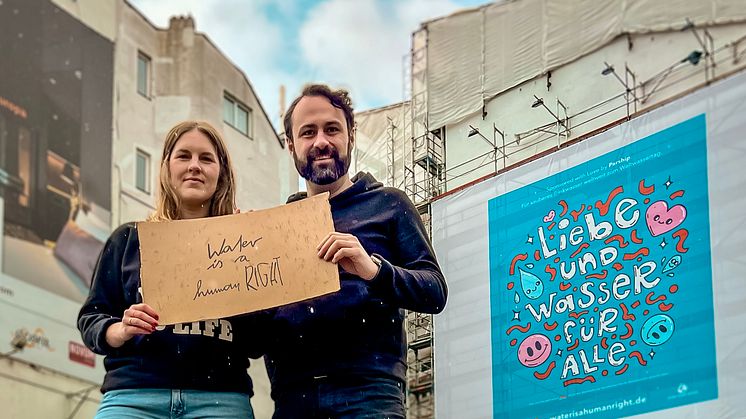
pixel 210 268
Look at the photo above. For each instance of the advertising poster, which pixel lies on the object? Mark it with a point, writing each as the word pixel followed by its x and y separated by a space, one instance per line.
pixel 55 179
pixel 600 279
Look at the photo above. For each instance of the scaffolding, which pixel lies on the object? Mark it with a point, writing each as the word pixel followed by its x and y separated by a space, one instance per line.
pixel 420 376
pixel 424 178
pixel 390 146
pixel 426 174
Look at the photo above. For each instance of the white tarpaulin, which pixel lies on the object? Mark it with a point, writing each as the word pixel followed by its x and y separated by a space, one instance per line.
pixel 383 139
pixel 604 280
pixel 479 53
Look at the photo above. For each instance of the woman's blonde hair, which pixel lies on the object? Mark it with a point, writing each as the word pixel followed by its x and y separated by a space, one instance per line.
pixel 168 202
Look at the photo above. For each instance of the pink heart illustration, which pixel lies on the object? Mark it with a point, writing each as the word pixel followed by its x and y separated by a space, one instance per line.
pixel 549 217
pixel 661 219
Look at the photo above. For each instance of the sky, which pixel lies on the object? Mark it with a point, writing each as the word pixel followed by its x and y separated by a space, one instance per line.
pixel 355 44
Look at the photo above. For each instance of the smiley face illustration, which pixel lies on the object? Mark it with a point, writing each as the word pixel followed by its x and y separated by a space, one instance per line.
pixel 534 350
pixel 657 330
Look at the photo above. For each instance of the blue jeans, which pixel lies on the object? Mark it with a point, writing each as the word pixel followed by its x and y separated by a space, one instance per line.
pixel 365 397
pixel 172 404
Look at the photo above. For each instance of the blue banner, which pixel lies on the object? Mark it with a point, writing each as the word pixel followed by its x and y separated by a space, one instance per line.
pixel 601 284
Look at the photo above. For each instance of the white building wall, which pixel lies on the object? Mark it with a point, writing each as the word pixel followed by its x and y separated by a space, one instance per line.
pixel 382 145
pixel 593 101
pixel 579 85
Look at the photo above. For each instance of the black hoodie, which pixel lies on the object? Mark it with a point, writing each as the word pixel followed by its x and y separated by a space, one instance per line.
pixel 210 355
pixel 358 331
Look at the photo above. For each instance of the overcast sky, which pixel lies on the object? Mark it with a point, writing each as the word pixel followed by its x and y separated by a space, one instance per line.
pixel 356 44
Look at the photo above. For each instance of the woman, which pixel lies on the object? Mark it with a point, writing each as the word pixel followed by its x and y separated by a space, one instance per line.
pixel 195 369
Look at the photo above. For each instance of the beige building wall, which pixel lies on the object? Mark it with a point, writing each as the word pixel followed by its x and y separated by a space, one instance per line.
pixel 189 79
pixel 134 121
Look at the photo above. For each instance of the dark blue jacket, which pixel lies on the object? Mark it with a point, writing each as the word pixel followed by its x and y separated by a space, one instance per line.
pixel 359 330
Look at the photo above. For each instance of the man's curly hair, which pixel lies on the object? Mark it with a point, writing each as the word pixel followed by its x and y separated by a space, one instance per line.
pixel 339 98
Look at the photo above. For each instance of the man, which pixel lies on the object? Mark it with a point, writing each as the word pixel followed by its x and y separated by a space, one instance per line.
pixel 343 355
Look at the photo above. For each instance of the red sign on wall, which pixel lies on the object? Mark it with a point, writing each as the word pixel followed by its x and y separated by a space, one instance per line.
pixel 80 354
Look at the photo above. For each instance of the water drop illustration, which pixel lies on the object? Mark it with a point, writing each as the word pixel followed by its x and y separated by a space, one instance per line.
pixel 672 264
pixel 531 284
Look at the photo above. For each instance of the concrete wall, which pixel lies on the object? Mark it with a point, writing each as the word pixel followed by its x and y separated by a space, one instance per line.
pixel 28 391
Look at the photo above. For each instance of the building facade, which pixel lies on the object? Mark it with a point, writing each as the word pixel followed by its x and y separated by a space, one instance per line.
pixel 494 87
pixel 89 90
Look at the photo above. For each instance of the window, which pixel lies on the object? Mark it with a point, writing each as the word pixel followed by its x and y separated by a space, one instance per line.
pixel 237 115
pixel 142 171
pixel 143 74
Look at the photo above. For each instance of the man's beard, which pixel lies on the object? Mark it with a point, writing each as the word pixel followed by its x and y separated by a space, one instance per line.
pixel 328 173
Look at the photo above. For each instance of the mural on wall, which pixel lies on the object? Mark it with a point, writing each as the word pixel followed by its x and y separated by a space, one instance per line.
pixel 600 284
